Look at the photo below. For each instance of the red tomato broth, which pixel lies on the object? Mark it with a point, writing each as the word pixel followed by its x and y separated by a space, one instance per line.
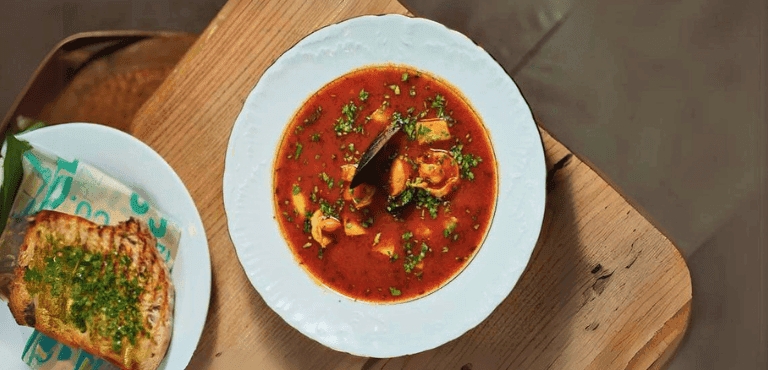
pixel 350 265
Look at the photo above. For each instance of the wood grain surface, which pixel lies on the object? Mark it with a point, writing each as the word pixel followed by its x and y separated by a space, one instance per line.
pixel 605 289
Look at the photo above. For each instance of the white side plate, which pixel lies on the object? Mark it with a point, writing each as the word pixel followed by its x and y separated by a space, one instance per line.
pixel 330 318
pixel 135 164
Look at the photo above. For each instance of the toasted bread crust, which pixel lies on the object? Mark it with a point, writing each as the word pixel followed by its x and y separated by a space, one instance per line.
pixel 130 238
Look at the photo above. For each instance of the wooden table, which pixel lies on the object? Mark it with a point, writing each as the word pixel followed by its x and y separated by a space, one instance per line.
pixel 605 289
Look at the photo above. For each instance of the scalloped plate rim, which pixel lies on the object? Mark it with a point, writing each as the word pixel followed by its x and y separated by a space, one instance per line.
pixel 343 335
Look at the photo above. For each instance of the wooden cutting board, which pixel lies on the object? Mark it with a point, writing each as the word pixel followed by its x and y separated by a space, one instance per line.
pixel 605 289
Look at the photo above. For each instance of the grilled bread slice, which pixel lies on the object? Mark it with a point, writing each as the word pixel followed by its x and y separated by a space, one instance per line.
pixel 104 289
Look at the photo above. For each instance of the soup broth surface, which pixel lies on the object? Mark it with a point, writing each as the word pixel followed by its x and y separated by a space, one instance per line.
pixel 416 225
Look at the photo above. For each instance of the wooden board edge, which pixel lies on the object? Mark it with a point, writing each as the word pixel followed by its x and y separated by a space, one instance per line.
pixel 408 9
pixel 658 353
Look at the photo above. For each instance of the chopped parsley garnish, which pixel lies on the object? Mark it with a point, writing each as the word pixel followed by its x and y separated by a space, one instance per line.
pixel 394 257
pixel 315 137
pixel 449 230
pixel 404 77
pixel 395 88
pixel 328 180
pixel 363 95
pixel 422 198
pixel 407 235
pixel 408 124
pixel 328 209
pixel 296 189
pixel 345 123
pixel 394 292
pixel 426 200
pixel 466 162
pixel 394 204
pixel 299 148
pixel 367 223
pixel 88 286
pixel 439 104
pixel 412 260
pixel 308 223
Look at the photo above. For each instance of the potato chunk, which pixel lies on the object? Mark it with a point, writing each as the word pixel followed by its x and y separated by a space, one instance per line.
pixel 387 248
pixel 348 171
pixel 353 226
pixel 431 130
pixel 300 204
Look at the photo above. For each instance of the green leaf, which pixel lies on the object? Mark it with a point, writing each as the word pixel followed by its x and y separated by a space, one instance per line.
pixel 12 174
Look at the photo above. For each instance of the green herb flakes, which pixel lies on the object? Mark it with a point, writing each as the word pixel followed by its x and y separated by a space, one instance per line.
pixel 449 230
pixel 327 179
pixel 97 285
pixel 345 124
pixel 408 124
pixel 299 148
pixel 328 209
pixel 427 201
pixel 439 104
pixel 413 259
pixel 466 162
